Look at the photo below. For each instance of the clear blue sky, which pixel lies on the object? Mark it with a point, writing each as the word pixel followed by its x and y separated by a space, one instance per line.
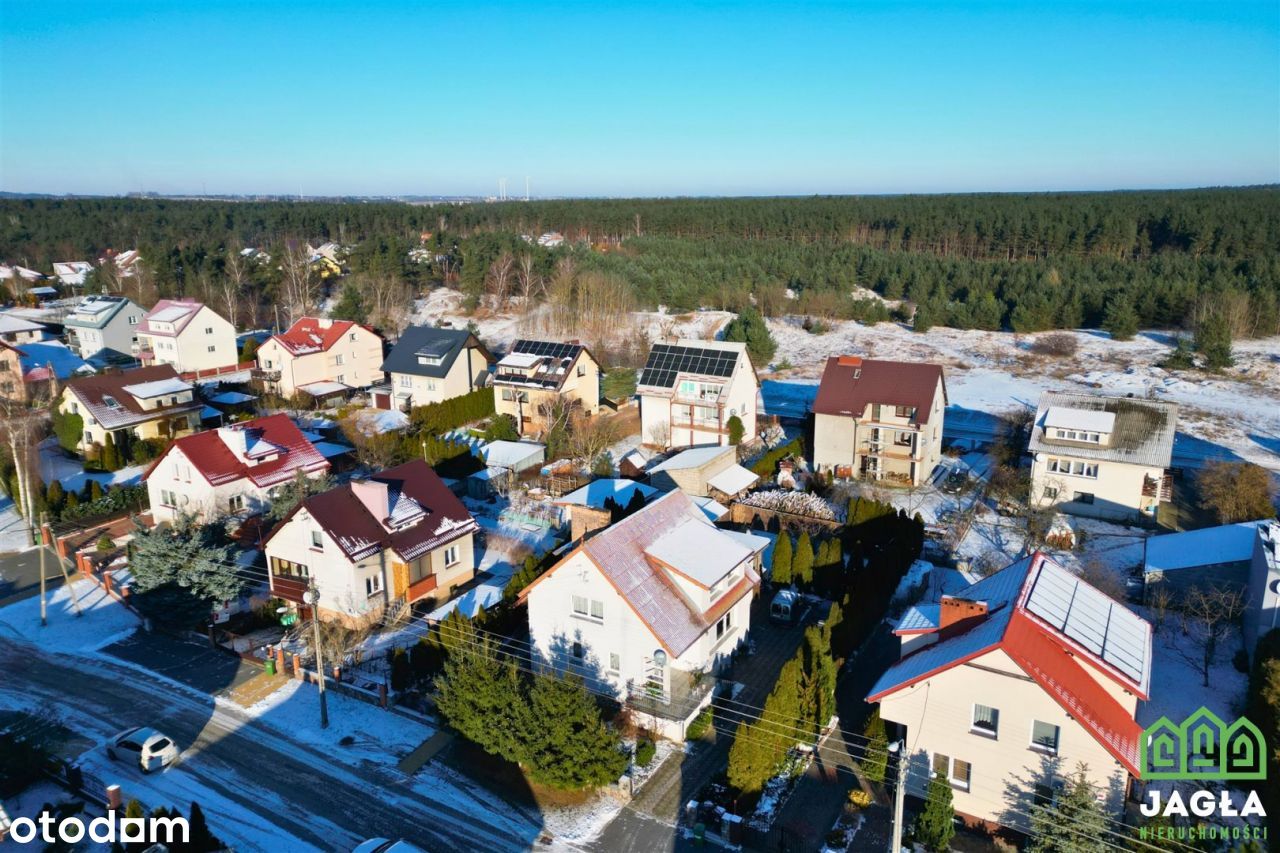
pixel 652 98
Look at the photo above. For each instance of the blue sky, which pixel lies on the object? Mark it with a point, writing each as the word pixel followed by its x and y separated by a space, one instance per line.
pixel 635 99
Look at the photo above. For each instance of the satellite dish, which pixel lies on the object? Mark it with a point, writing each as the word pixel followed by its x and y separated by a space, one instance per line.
pixel 1275 586
pixel 660 657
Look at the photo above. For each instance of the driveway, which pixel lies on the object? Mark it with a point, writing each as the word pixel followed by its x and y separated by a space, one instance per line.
pixel 20 574
pixel 189 661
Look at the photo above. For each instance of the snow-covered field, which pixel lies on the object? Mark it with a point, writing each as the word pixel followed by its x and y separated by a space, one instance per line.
pixel 103 619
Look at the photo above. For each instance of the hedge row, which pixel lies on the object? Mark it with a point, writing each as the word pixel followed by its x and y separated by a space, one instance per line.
pixel 453 413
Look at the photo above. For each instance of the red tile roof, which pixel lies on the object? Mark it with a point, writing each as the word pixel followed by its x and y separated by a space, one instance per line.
pixel 349 522
pixel 212 456
pixel 310 334
pixel 850 384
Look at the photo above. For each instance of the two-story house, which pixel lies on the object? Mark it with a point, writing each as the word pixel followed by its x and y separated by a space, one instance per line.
pixel 649 609
pixel 147 402
pixel 317 349
pixel 535 374
pixel 17 330
pixel 230 470
pixel 429 365
pixel 12 388
pixel 690 390
pixel 1004 688
pixel 187 334
pixel 104 326
pixel 399 536
pixel 1105 457
pixel 72 273
pixel 877 420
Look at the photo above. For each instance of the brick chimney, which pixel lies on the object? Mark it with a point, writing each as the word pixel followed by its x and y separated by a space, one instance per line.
pixel 375 497
pixel 957 615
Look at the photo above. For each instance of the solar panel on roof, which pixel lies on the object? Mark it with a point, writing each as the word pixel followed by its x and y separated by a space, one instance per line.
pixel 667 360
pixel 549 349
pixel 438 348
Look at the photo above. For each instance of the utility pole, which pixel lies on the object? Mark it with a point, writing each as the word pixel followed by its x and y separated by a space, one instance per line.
pixel 899 794
pixel 312 599
pixel 44 604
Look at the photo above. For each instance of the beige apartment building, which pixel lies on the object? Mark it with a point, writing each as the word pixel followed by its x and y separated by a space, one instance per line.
pixel 879 420
pixel 534 374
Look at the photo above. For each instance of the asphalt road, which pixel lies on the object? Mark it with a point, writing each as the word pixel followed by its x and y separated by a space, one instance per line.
pixel 233 756
pixel 189 661
pixel 20 575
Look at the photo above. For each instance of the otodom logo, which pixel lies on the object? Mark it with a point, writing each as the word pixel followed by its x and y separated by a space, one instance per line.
pixel 1202 749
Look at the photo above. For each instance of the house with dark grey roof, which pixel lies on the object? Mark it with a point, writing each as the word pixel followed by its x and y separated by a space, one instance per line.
pixel 105 327
pixel 647 607
pixel 878 420
pixel 1103 457
pixel 690 390
pixel 428 365
pixel 398 537
pixel 533 375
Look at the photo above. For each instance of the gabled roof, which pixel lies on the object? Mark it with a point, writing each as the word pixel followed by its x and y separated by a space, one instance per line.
pixel 422 514
pixel 178 312
pixel 595 493
pixel 96 393
pixel 226 454
pixel 9 324
pixel 95 312
pixel 709 359
pixel 313 334
pixel 1227 543
pixel 621 552
pixel 850 384
pixel 1046 620
pixel 694 457
pixel 432 343
pixel 1142 433
pixel 554 358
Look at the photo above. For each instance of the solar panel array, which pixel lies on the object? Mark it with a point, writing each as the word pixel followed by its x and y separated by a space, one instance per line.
pixel 1093 620
pixel 666 361
pixel 549 349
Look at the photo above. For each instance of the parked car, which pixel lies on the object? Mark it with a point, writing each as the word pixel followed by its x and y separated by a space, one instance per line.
pixel 386 845
pixel 146 746
pixel 957 481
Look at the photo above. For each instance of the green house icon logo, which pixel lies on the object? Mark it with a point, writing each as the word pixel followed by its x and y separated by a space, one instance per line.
pixel 1203 747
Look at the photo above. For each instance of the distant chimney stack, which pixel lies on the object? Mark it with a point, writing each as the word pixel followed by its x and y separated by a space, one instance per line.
pixel 957 615
pixel 325 323
pixel 849 361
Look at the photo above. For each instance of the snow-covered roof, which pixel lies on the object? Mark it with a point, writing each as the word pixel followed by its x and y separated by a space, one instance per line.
pixel 1092 420
pixel 694 457
pixel 595 493
pixel 922 618
pixel 324 388
pixel 711 508
pixel 1228 543
pixel 1142 433
pixel 512 454
pixel 157 388
pixel 520 360
pixel 698 551
pixel 170 314
pixel 10 324
pixel 733 479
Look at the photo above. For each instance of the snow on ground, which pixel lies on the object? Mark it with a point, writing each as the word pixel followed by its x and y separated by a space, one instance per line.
pixel 377 421
pixel 13 528
pixel 378 735
pixel 29 804
pixel 1177 683
pixel 444 785
pixel 104 620
pixel 55 463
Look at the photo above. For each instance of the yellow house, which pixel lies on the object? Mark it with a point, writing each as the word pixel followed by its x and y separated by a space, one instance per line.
pixel 535 374
pixel 319 350
pixel 148 402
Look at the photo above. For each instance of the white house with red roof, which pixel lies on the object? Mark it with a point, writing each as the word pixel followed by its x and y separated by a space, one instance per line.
pixel 187 334
pixel 1004 688
pixel 230 470
pixel 649 606
pixel 316 352
pixel 398 537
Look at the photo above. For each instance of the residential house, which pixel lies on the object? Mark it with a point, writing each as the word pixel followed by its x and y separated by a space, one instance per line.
pixel 504 462
pixel 429 365
pixel 104 326
pixel 1105 457
pixel 1005 688
pixel 879 420
pixel 187 334
pixel 316 352
pixel 72 273
pixel 398 537
pixel 690 390
pixel 1210 558
pixel 1262 607
pixel 17 330
pixel 126 262
pixel 12 388
pixel 535 374
pixel 648 609
pixel 230 470
pixel 18 272
pixel 147 402
pixel 704 472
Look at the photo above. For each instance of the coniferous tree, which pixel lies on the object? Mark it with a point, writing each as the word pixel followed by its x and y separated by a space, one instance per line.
pixel 564 741
pixel 935 825
pixel 202 839
pixel 750 758
pixel 750 328
pixel 55 498
pixel 1213 340
pixel 478 693
pixel 821 675
pixel 736 430
pixel 1073 822
pixel 875 757
pixel 923 319
pixel 350 305
pixel 1120 318
pixel 781 572
pixel 802 561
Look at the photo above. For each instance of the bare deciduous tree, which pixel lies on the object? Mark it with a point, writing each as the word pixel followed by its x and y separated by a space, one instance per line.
pixel 21 428
pixel 298 280
pixel 498 280
pixel 1209 616
pixel 529 280
pixel 592 436
pixel 389 301
pixel 1159 600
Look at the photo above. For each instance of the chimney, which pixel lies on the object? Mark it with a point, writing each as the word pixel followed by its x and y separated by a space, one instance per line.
pixel 375 496
pixel 957 615
pixel 235 440
pixel 849 361
pixel 326 323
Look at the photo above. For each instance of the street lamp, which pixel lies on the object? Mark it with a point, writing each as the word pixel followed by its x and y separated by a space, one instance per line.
pixel 312 598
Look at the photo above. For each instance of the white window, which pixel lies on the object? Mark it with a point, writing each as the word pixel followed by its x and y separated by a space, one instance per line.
pixel 212 348
pixel 373 585
pixel 406 381
pixel 235 503
pixel 337 360
pixel 1044 737
pixel 597 609
pixel 615 662
pixel 451 555
pixel 317 540
pixel 268 362
pixel 431 385
pixel 133 319
pixel 954 770
pixel 167 498
pixel 725 623
pixel 208 330
pixel 578 651
pixel 342 378
pixel 986 721
pixel 1050 492
pixel 580 605
pixel 351 337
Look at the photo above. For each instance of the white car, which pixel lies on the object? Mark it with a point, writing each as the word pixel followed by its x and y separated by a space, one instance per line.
pixel 146 746
pixel 386 845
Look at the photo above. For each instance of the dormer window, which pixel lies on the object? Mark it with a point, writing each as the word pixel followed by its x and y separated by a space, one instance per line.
pixel 110 402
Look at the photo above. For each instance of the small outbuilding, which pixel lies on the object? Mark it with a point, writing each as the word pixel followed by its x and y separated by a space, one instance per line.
pixel 704 472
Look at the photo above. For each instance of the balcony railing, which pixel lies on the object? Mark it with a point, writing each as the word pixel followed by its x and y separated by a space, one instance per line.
pixel 686 694
pixel 422 588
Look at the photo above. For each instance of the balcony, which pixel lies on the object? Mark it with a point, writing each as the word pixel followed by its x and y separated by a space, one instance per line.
pixel 422 588
pixel 687 691
pixel 289 587
pixel 265 375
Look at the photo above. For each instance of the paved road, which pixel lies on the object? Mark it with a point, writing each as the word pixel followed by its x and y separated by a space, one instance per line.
pixel 233 756
pixel 189 661
pixel 20 575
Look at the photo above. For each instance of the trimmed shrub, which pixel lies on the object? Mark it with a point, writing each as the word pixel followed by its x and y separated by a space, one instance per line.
pixel 645 750
pixel 700 726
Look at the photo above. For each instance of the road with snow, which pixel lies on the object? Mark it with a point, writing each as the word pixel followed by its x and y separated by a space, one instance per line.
pixel 252 770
